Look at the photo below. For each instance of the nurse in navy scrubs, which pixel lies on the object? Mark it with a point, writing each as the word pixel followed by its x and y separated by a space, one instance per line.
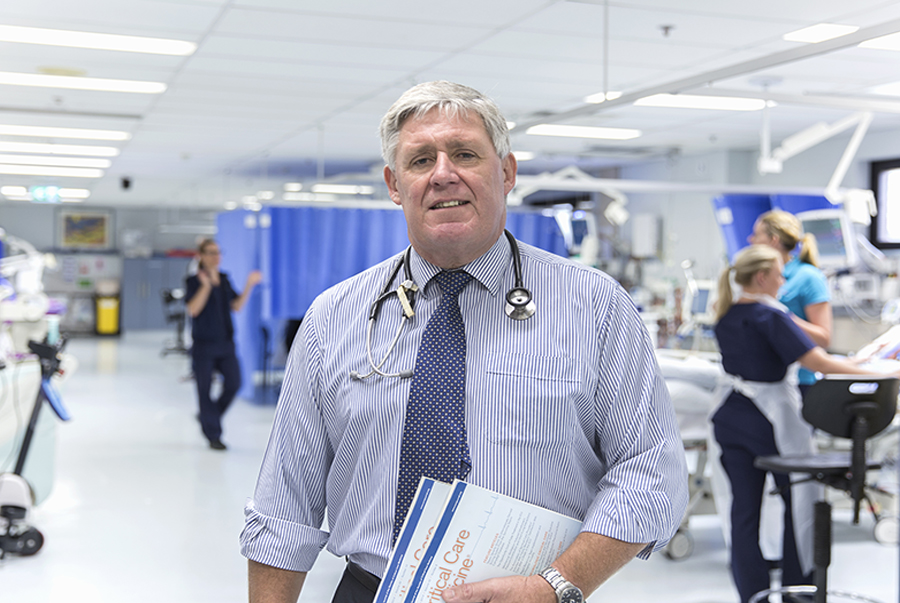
pixel 762 346
pixel 210 301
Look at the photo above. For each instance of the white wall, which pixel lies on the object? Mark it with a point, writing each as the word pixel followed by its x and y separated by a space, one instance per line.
pixel 37 224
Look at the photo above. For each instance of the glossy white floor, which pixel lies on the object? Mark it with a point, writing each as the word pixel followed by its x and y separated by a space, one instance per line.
pixel 143 511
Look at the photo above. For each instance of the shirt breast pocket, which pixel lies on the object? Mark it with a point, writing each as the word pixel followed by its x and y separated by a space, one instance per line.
pixel 529 401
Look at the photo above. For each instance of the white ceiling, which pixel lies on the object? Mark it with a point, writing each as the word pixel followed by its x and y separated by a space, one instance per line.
pixel 285 90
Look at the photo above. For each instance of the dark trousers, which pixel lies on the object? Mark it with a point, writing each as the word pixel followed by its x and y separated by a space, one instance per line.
pixel 744 433
pixel 208 358
pixel 356 586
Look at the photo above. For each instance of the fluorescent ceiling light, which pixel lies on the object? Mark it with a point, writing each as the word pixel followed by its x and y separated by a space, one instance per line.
pixel 49 132
pixel 58 161
pixel 74 193
pixel 307 197
pixel 888 89
pixel 13 191
pixel 343 189
pixel 601 97
pixel 523 155
pixel 293 187
pixel 583 132
pixel 819 33
pixel 80 83
pixel 229 205
pixel 510 125
pixel 66 195
pixel 265 195
pixel 694 101
pixel 98 41
pixel 38 170
pixel 888 42
pixel 58 149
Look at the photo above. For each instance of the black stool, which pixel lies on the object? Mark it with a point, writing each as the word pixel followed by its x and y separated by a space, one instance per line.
pixel 845 406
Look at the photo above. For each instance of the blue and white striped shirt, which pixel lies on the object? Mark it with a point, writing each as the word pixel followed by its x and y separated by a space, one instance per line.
pixel 566 410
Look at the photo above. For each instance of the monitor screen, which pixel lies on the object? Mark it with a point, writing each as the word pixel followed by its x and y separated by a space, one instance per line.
pixel 834 236
pixel 885 183
pixel 701 301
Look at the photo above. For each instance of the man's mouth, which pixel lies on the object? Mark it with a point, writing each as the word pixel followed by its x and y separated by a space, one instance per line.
pixel 444 204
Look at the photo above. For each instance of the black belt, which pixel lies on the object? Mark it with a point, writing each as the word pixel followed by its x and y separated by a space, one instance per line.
pixel 370 581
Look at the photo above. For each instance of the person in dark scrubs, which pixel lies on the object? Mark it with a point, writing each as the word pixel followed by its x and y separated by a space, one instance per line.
pixel 760 415
pixel 210 301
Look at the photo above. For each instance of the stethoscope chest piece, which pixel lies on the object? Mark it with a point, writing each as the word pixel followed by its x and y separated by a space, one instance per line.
pixel 519 304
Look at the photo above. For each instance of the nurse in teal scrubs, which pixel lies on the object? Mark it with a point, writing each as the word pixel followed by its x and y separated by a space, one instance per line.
pixel 805 291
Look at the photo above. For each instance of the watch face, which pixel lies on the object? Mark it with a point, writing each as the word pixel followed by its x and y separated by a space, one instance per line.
pixel 571 595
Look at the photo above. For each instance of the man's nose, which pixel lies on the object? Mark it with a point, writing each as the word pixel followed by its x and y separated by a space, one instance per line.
pixel 444 171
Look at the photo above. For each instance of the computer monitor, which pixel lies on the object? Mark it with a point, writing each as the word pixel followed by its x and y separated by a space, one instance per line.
pixel 835 237
pixel 698 303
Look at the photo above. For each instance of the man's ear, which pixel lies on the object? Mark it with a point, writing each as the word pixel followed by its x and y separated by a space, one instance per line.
pixel 391 180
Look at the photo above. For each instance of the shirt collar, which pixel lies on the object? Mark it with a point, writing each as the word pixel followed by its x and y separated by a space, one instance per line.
pixel 487 269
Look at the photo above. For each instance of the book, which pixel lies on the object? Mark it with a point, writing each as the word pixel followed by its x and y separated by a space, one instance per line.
pixel 474 535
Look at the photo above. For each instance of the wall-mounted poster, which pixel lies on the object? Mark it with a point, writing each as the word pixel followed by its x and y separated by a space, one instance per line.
pixel 85 229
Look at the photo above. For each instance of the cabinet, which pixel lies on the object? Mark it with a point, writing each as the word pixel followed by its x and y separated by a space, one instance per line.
pixel 143 280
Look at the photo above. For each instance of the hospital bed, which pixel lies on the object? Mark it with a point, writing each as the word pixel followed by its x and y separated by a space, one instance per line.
pixel 691 378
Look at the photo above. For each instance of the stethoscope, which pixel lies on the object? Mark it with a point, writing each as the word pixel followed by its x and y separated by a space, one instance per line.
pixel 519 306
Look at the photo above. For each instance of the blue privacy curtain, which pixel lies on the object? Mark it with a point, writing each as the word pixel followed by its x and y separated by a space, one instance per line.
pixel 304 250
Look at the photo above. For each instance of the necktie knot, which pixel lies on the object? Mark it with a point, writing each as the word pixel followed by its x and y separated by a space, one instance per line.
pixel 451 283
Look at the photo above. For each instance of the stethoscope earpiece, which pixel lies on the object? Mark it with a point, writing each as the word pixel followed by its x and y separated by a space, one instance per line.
pixel 519 304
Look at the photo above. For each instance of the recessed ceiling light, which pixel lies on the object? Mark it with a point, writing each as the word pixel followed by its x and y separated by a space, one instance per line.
pixel 510 125
pixel 600 97
pixel 523 155
pixel 888 42
pixel 887 89
pixel 58 149
pixel 99 41
pixel 80 83
pixel 343 189
pixel 583 132
pixel 819 33
pixel 58 161
pixel 293 187
pixel 74 193
pixel 265 195
pixel 51 132
pixel 307 197
pixel 694 101
pixel 38 170
pixel 13 191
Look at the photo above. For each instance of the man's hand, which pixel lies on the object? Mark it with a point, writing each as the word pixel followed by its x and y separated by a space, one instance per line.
pixel 513 589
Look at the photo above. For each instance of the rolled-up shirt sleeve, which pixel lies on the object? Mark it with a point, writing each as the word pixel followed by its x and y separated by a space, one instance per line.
pixel 283 519
pixel 643 493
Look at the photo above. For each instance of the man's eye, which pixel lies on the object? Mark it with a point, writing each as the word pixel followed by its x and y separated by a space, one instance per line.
pixel 421 161
pixel 466 155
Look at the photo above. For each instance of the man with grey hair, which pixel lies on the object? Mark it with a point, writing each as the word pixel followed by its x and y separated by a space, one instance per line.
pixel 558 402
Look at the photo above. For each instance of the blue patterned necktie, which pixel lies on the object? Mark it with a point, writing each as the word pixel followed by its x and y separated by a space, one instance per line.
pixel 434 435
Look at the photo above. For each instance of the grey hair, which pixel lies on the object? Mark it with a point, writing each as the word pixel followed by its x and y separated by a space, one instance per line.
pixel 453 99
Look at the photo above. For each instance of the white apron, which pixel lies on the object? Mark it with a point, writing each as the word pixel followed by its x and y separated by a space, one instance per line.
pixel 780 403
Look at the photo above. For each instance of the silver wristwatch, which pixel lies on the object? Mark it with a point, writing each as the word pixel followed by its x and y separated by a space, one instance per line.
pixel 566 592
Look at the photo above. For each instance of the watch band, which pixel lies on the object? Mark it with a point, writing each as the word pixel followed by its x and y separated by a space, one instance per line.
pixel 565 590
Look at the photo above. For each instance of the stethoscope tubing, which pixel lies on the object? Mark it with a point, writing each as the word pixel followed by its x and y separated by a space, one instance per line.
pixel 517 309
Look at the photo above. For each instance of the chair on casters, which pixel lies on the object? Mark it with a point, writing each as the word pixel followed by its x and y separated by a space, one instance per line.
pixel 845 406
pixel 173 306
